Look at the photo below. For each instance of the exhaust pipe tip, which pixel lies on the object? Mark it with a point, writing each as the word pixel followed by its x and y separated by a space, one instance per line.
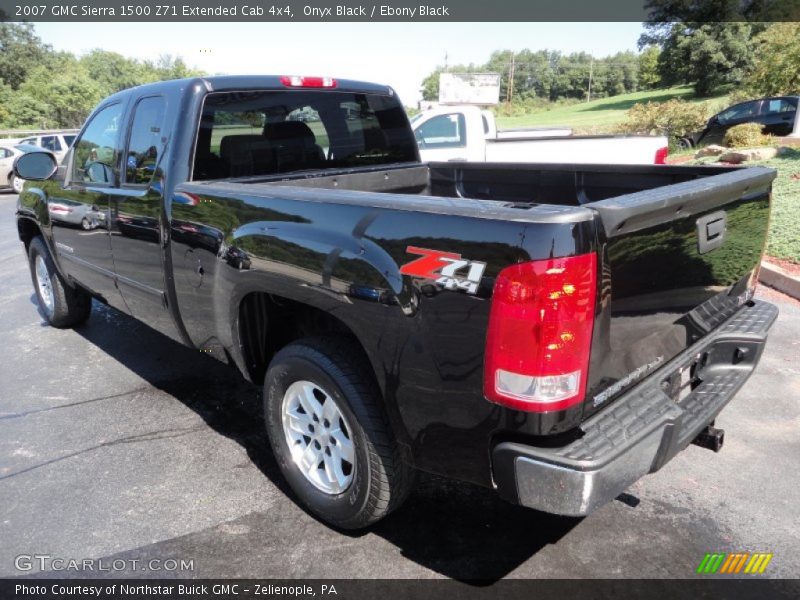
pixel 710 438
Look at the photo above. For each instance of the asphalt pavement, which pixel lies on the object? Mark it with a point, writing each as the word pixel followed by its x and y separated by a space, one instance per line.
pixel 119 444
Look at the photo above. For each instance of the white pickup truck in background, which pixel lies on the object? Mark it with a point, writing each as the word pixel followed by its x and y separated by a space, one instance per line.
pixel 468 133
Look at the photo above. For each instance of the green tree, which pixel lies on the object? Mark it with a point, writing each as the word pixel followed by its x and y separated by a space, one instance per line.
pixel 20 51
pixel 113 72
pixel 649 77
pixel 70 93
pixel 777 65
pixel 168 67
pixel 706 55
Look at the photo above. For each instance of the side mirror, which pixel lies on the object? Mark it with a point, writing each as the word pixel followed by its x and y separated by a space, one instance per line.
pixel 36 166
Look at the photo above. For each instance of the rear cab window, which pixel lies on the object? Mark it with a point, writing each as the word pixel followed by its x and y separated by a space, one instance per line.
pixel 244 134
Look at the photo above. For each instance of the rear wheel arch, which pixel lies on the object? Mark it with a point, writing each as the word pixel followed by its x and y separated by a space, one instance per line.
pixel 266 322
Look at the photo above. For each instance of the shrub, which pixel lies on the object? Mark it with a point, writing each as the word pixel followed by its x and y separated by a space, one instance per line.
pixel 675 118
pixel 745 135
pixel 740 95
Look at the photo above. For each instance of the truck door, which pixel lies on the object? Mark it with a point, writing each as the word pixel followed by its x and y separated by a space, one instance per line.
pixel 79 208
pixel 137 238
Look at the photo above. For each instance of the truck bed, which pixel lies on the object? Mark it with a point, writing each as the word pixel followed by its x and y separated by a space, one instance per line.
pixel 659 293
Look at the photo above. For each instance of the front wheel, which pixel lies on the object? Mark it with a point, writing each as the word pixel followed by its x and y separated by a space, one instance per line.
pixel 330 435
pixel 685 144
pixel 62 305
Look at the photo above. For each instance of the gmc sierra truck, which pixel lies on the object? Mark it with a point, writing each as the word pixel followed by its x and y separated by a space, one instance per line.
pixel 551 331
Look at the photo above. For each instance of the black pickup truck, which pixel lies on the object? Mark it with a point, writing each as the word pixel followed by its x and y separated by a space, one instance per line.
pixel 554 332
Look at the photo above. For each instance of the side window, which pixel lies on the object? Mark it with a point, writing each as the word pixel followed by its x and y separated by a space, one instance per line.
pixel 444 131
pixel 95 151
pixel 50 142
pixel 739 112
pixel 779 105
pixel 4 153
pixel 146 141
pixel 68 139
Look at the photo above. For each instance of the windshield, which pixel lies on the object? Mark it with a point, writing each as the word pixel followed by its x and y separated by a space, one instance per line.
pixel 263 133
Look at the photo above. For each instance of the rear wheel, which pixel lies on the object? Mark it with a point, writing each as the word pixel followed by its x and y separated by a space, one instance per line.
pixel 330 435
pixel 16 184
pixel 685 144
pixel 62 305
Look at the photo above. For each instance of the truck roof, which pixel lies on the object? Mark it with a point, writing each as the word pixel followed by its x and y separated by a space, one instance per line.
pixel 222 83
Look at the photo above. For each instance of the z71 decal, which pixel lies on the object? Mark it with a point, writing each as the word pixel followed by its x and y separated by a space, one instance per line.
pixel 444 268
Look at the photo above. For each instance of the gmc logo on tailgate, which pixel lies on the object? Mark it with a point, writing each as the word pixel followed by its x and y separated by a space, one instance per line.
pixel 448 269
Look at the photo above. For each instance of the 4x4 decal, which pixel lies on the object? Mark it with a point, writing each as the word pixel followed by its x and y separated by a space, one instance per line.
pixel 446 268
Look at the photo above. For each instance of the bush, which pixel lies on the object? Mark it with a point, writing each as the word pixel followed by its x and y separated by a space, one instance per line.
pixel 740 95
pixel 674 118
pixel 745 135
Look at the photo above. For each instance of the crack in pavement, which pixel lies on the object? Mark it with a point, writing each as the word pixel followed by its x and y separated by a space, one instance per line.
pixel 4 416
pixel 165 434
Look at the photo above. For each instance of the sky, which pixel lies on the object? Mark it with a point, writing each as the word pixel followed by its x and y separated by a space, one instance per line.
pixel 396 54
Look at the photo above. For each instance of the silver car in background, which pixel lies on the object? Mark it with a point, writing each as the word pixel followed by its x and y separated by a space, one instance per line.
pixel 86 216
pixel 8 154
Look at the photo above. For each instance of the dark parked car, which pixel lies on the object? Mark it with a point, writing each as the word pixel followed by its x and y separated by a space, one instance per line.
pixel 777 114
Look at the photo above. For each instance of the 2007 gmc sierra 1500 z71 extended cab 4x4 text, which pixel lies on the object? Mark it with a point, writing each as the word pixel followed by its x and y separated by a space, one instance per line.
pixel 553 331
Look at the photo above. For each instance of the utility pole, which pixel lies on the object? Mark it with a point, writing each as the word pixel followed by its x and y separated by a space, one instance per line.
pixel 510 93
pixel 591 72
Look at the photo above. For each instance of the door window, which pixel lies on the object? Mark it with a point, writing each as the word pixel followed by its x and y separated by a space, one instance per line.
pixel 50 142
pixel 95 155
pixel 739 112
pixel 4 153
pixel 444 131
pixel 779 105
pixel 146 142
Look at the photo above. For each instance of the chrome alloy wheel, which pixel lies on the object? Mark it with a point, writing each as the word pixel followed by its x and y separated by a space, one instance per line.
pixel 318 437
pixel 45 285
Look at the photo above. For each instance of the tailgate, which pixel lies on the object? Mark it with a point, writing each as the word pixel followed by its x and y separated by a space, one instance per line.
pixel 677 261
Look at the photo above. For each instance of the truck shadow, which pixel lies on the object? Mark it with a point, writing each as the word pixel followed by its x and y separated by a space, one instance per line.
pixel 458 530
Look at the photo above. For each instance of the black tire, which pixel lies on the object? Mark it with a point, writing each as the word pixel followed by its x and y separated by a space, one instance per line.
pixel 685 144
pixel 381 479
pixel 70 305
pixel 86 224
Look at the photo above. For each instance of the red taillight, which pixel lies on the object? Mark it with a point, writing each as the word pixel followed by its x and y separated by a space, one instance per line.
pixel 308 82
pixel 540 333
pixel 59 208
pixel 661 156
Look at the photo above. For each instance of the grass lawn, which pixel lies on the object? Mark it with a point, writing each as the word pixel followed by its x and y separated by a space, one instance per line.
pixel 784 230
pixel 603 114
